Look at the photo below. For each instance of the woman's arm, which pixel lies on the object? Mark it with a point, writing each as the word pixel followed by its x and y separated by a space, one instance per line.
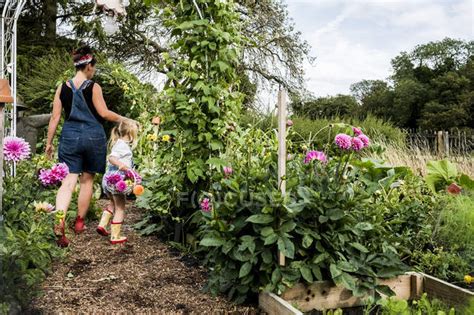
pixel 53 122
pixel 101 107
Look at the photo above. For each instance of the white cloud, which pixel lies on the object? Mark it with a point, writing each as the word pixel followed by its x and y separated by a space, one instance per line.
pixel 356 39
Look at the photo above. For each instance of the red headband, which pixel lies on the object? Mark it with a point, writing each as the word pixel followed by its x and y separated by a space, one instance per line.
pixel 84 60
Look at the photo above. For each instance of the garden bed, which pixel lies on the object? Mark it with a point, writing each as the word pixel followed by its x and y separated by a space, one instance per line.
pixel 143 276
pixel 324 295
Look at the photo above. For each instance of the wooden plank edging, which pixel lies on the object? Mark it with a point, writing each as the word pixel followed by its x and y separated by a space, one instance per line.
pixel 272 304
pixel 324 295
pixel 446 291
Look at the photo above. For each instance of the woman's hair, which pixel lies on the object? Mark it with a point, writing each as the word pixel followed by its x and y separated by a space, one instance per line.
pixel 126 127
pixel 82 57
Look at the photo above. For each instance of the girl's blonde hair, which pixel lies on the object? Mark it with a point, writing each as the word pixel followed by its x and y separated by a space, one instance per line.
pixel 125 128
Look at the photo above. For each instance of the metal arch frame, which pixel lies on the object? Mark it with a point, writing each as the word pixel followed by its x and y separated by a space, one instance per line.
pixel 8 59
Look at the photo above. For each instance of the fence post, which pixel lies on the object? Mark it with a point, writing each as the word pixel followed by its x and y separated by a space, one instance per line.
pixel 446 143
pixel 439 143
pixel 281 151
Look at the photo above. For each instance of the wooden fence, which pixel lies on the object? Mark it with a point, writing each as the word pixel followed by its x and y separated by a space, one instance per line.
pixel 443 143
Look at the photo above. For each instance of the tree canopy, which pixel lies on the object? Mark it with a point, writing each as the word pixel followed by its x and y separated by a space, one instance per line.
pixel 431 87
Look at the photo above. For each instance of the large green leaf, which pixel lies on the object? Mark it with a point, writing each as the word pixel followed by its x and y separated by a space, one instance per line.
pixel 260 218
pixel 211 242
pixel 245 269
pixel 466 182
pixel 306 273
pixel 439 173
pixel 335 272
pixel 360 247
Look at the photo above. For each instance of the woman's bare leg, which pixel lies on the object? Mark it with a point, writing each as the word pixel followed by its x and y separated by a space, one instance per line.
pixel 85 193
pixel 63 198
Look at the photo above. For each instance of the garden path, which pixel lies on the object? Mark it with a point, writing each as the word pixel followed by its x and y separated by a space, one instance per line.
pixel 143 276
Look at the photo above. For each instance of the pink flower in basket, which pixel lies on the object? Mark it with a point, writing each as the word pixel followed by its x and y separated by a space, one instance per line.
pixel 113 178
pixel 134 176
pixel 121 186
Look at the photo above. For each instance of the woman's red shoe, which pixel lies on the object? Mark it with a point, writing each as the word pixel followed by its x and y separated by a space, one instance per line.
pixel 79 226
pixel 62 241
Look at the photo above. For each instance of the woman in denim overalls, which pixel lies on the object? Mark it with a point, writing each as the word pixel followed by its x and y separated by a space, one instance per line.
pixel 83 143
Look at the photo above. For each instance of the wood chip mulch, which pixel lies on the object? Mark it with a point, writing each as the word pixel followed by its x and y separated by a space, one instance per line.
pixel 143 276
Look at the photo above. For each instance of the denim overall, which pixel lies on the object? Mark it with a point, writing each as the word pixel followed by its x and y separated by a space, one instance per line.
pixel 83 144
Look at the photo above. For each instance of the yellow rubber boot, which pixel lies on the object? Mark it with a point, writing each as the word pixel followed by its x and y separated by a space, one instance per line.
pixel 104 221
pixel 115 237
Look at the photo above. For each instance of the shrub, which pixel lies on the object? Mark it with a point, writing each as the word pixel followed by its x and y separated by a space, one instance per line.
pixel 326 226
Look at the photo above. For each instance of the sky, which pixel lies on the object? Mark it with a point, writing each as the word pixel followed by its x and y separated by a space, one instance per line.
pixel 354 40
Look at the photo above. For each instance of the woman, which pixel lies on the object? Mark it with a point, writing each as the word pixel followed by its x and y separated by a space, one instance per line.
pixel 83 144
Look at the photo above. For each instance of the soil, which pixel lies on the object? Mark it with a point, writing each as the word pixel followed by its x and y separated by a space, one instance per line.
pixel 142 276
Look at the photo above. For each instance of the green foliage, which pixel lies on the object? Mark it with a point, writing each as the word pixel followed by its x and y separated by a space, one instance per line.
pixel 442 173
pixel 327 226
pixel 40 76
pixel 199 104
pixel 394 306
pixel 453 236
pixel 27 245
pixel 431 87
pixel 326 107
pixel 27 241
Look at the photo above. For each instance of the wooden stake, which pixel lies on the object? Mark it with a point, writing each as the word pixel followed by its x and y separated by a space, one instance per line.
pixel 281 151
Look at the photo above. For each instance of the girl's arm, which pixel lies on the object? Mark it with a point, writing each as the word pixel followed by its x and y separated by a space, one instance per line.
pixel 101 107
pixel 115 161
pixel 53 123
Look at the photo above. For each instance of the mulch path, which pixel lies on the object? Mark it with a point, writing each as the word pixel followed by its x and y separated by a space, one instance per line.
pixel 143 276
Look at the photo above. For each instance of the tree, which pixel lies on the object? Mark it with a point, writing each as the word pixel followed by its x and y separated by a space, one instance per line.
pixel 375 96
pixel 326 107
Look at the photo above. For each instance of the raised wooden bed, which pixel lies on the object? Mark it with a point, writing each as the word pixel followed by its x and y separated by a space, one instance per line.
pixel 324 295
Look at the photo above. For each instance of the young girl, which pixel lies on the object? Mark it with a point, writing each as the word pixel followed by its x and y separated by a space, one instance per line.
pixel 122 140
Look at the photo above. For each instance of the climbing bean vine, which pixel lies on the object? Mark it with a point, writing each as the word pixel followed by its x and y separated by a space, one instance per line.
pixel 199 102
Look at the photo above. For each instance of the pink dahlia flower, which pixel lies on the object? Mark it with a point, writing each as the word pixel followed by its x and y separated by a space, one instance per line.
pixel 289 123
pixel 364 139
pixel 315 155
pixel 46 177
pixel 228 171
pixel 357 131
pixel 113 178
pixel 121 186
pixel 357 144
pixel 59 171
pixel 343 141
pixel 15 149
pixel 206 205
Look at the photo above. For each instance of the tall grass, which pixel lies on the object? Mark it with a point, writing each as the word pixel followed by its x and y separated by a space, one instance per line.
pixel 304 129
pixel 382 133
pixel 416 157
